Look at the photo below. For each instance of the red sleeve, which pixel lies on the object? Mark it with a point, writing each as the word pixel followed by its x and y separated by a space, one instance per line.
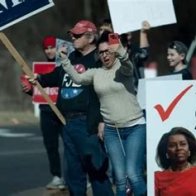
pixel 156 186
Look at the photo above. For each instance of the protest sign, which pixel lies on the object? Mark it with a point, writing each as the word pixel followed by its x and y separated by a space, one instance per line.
pixel 141 93
pixel 63 43
pixel 13 11
pixel 43 68
pixel 169 104
pixel 127 15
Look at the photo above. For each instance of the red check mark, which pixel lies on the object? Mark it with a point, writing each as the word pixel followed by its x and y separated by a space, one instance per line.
pixel 164 114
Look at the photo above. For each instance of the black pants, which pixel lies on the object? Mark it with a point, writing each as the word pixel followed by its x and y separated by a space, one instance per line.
pixel 51 129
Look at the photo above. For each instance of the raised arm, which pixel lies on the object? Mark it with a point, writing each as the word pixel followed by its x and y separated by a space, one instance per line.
pixel 84 78
pixel 126 64
pixel 142 53
pixel 143 34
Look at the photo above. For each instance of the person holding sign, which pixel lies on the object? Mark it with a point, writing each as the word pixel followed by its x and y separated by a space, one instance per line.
pixel 84 154
pixel 176 54
pixel 176 154
pixel 50 125
pixel 137 54
pixel 125 130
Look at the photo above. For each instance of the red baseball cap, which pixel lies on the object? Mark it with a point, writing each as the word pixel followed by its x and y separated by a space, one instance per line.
pixel 83 26
pixel 49 41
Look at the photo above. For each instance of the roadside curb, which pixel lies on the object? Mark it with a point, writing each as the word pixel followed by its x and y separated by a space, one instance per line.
pixel 42 191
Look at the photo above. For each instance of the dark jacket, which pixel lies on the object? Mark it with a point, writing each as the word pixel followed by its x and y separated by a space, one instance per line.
pixel 186 74
pixel 72 97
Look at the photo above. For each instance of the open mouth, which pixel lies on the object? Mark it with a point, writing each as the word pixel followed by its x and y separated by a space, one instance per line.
pixel 106 60
pixel 171 62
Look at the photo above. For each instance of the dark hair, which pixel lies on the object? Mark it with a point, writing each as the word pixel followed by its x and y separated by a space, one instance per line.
pixel 103 38
pixel 105 21
pixel 124 39
pixel 161 157
pixel 180 47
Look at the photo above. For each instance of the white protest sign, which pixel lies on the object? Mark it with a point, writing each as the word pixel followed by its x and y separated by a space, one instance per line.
pixel 169 104
pixel 14 11
pixel 141 93
pixel 127 15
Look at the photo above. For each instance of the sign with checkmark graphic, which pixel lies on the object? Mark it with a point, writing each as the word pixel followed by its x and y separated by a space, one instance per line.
pixel 165 113
pixel 168 104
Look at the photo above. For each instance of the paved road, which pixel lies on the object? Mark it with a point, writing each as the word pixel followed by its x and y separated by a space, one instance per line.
pixel 23 161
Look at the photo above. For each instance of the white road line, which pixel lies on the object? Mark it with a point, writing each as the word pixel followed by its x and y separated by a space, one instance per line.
pixel 22 152
pixel 7 133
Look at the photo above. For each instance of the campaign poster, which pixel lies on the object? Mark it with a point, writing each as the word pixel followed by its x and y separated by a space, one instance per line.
pixel 169 104
pixel 14 11
pixel 141 93
pixel 63 43
pixel 43 68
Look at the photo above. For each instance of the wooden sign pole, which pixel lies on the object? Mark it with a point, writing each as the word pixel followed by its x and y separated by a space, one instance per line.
pixel 28 71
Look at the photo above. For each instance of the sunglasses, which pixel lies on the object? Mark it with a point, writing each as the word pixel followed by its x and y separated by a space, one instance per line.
pixel 77 36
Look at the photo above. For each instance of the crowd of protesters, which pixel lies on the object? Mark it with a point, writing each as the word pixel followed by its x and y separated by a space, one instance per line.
pixel 97 96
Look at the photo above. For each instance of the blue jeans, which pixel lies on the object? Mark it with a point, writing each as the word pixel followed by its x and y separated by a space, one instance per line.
pixel 127 161
pixel 84 155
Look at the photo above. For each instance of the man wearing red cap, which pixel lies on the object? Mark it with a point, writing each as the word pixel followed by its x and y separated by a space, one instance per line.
pixel 79 104
pixel 50 125
pixel 83 26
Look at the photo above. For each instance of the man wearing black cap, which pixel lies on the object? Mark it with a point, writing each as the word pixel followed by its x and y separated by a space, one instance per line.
pixel 79 104
pixel 176 56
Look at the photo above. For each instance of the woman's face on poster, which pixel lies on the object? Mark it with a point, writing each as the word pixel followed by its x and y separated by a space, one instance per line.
pixel 178 148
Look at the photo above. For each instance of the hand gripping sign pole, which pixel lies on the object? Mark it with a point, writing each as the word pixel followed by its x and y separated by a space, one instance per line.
pixel 28 71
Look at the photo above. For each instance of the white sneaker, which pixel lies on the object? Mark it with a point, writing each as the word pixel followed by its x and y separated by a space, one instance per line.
pixel 88 185
pixel 56 183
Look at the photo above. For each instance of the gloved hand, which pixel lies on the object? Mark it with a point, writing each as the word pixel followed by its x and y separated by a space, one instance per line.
pixel 26 85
